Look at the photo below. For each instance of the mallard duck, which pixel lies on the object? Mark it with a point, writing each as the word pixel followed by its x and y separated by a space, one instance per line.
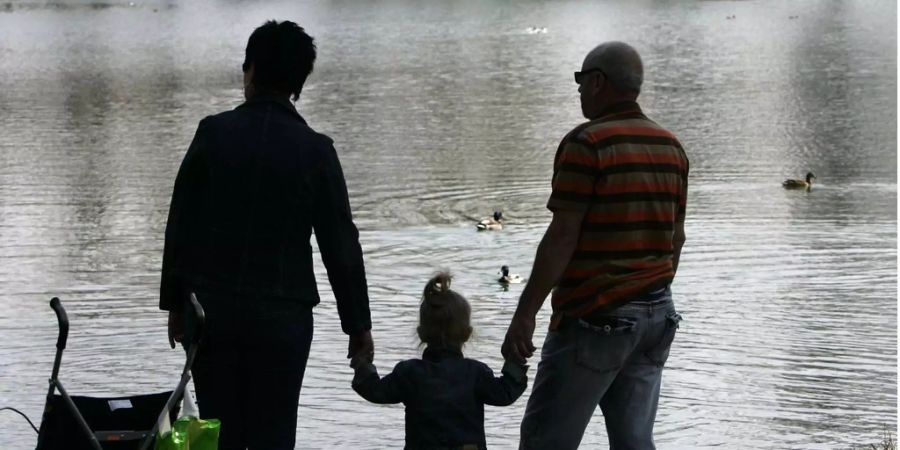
pixel 491 223
pixel 799 184
pixel 508 278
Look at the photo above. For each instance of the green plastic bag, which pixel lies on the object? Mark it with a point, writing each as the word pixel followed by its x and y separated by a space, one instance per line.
pixel 188 432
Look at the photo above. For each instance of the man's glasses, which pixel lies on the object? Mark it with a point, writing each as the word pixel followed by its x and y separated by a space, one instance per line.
pixel 579 76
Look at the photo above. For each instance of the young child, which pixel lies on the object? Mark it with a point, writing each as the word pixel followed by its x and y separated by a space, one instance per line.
pixel 444 393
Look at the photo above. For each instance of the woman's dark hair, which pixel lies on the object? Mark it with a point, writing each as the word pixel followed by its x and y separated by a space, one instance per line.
pixel 282 55
pixel 444 314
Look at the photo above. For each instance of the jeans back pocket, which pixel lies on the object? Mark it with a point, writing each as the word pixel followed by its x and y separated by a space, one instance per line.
pixel 604 347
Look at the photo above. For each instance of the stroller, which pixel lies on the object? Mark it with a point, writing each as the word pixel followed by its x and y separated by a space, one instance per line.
pixel 92 423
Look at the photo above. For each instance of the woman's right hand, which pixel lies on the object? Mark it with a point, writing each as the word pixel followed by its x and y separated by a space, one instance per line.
pixel 361 348
pixel 176 328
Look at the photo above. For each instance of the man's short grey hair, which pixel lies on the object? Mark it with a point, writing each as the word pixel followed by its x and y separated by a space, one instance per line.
pixel 621 64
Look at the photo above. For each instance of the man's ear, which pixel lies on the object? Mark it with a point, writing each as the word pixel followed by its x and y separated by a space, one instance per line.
pixel 598 83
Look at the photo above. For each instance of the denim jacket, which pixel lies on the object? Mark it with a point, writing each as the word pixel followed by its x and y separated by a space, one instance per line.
pixel 444 394
pixel 254 184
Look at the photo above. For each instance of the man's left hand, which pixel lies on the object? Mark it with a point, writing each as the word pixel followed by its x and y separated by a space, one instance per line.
pixel 518 346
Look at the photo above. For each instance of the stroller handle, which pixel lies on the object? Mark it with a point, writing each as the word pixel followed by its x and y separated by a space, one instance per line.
pixel 63 320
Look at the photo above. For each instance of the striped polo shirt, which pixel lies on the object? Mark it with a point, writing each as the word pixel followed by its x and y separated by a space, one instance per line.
pixel 629 176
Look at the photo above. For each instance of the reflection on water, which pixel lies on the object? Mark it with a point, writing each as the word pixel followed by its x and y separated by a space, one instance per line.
pixel 441 114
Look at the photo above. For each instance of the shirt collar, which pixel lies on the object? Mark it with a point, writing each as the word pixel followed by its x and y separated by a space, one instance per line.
pixel 439 353
pixel 277 99
pixel 627 107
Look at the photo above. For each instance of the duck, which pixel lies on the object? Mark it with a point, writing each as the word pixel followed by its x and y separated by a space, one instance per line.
pixel 491 223
pixel 731 17
pixel 537 30
pixel 799 184
pixel 508 278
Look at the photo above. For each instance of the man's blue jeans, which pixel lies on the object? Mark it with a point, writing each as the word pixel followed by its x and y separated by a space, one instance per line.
pixel 615 363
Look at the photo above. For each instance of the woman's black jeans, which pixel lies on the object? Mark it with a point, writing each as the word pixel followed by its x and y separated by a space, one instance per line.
pixel 249 368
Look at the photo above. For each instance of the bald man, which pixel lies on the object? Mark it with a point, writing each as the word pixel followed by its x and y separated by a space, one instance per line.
pixel 619 193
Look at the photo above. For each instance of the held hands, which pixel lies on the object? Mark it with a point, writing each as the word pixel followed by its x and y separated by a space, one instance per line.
pixel 361 350
pixel 357 362
pixel 518 345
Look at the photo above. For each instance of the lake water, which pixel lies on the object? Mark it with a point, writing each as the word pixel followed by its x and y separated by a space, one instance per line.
pixel 443 112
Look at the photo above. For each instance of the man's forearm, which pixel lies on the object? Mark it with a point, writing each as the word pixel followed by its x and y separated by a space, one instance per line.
pixel 553 255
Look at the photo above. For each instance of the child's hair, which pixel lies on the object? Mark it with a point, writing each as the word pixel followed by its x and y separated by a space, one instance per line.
pixel 444 314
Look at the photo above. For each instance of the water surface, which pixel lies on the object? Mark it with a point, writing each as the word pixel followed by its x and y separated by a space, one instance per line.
pixel 443 112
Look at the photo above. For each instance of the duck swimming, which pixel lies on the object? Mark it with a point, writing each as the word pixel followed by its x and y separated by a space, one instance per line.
pixel 491 223
pixel 507 277
pixel 799 184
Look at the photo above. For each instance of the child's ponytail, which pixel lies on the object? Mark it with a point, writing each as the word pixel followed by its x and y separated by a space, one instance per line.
pixel 437 288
